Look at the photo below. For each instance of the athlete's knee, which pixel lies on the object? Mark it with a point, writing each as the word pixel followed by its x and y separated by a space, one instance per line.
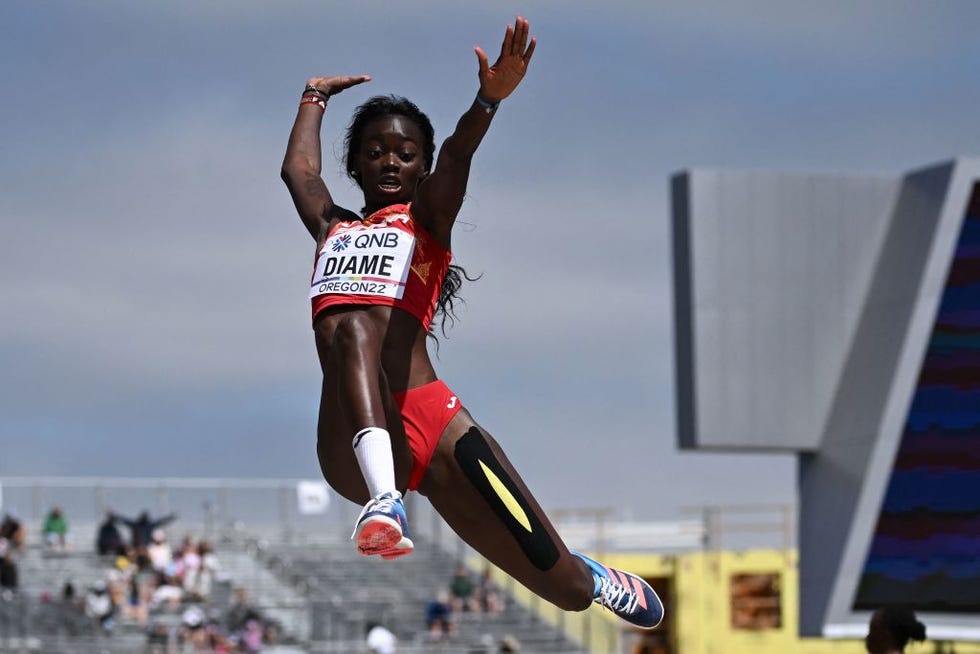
pixel 338 472
pixel 578 593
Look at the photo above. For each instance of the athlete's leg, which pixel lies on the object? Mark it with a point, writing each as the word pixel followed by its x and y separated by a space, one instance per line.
pixel 356 411
pixel 478 492
pixel 334 444
pixel 355 396
pixel 355 355
pixel 536 557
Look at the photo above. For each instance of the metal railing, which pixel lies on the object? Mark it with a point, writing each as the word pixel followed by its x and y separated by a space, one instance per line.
pixel 740 526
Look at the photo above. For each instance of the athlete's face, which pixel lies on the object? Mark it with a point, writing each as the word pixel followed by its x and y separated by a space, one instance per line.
pixel 390 162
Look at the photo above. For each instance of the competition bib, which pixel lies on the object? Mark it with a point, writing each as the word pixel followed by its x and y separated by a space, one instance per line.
pixel 365 262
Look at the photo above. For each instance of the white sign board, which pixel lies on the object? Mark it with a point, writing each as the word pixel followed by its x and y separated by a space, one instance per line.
pixel 313 497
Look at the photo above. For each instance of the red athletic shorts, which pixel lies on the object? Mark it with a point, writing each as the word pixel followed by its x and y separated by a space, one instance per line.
pixel 426 410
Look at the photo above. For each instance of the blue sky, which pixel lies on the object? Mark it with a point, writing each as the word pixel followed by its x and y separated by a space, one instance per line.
pixel 153 271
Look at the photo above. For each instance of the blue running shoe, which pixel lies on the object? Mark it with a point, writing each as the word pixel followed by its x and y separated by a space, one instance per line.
pixel 625 594
pixel 382 527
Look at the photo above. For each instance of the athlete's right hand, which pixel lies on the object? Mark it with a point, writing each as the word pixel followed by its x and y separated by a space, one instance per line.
pixel 334 85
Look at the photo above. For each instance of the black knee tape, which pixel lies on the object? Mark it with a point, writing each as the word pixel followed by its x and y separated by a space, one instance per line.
pixel 474 456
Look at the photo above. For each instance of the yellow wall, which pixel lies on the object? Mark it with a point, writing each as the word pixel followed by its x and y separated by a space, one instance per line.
pixel 699 612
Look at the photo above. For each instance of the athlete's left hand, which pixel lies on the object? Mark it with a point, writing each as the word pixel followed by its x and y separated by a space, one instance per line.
pixel 499 80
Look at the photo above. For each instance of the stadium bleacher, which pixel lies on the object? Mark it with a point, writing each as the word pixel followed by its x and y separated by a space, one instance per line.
pixel 319 595
pixel 346 591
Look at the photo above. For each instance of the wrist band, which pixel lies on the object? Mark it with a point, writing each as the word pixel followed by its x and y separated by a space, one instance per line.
pixel 489 106
pixel 312 99
pixel 312 89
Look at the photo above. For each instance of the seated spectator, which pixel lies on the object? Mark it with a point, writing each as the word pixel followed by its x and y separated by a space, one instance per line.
pixel 192 618
pixel 13 531
pixel 166 594
pixel 187 559
pixel 218 638
pixel 124 588
pixel 118 578
pixel 487 594
pixel 99 606
pixel 144 576
pixel 134 605
pixel 125 561
pixel 8 568
pixel 246 626
pixel 241 612
pixel 201 571
pixel 12 535
pixel 379 640
pixel 439 617
pixel 252 637
pixel 55 529
pixel 108 539
pixel 141 529
pixel 271 632
pixel 159 550
pixel 157 638
pixel 186 547
pixel 462 588
pixel 198 634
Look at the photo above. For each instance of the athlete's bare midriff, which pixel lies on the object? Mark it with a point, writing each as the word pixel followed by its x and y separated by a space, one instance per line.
pixel 404 357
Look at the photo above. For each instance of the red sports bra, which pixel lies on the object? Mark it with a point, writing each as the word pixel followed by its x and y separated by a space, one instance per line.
pixel 387 259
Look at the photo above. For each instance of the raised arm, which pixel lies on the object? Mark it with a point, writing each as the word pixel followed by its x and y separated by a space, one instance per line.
pixel 159 522
pixel 126 521
pixel 301 165
pixel 440 195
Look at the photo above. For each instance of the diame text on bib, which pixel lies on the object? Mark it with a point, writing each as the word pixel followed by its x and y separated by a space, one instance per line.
pixel 364 262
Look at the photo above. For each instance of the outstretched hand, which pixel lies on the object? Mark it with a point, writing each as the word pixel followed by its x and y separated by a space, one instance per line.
pixel 499 80
pixel 334 85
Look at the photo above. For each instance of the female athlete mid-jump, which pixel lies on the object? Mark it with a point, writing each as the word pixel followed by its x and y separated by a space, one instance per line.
pixel 387 423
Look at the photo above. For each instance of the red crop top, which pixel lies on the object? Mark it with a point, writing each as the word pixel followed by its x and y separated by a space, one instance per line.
pixel 387 259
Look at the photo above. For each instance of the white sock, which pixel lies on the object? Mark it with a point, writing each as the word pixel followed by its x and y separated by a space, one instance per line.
pixel 372 447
